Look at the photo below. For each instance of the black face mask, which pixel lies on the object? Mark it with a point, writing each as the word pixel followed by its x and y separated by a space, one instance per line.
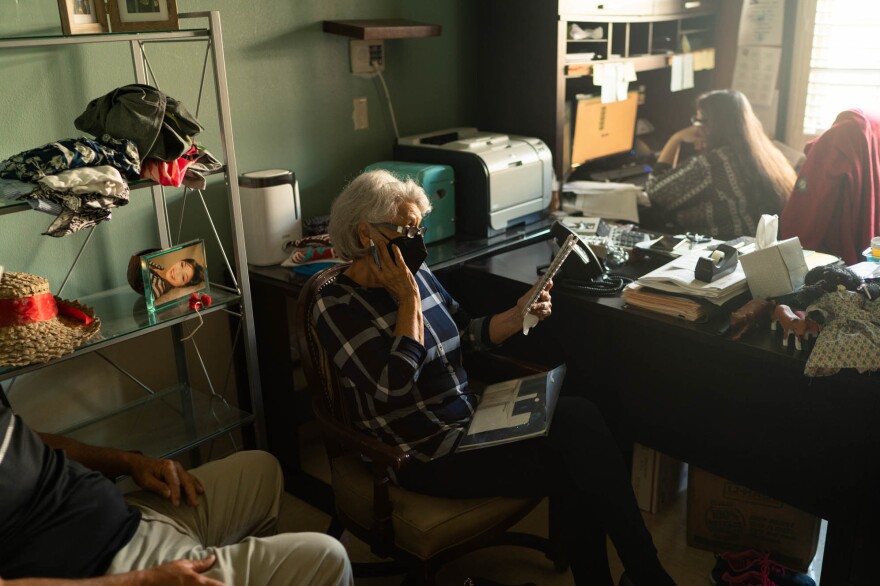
pixel 412 249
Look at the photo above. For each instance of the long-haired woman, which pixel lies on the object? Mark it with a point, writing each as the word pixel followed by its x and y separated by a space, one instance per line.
pixel 737 175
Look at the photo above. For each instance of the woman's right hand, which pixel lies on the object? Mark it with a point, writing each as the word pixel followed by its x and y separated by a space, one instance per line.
pixel 692 134
pixel 393 274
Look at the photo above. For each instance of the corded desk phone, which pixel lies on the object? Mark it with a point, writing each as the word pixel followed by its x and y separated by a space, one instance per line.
pixel 582 269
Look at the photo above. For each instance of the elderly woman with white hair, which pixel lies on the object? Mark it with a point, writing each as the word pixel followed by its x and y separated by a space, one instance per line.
pixel 397 337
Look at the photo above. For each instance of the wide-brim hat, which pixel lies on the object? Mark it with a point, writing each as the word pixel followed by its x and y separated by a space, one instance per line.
pixel 36 326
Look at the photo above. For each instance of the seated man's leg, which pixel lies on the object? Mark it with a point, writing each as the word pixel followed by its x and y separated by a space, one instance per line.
pixel 242 499
pixel 236 521
pixel 288 559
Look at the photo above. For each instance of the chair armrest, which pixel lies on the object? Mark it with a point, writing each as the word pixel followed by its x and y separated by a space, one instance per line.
pixel 379 452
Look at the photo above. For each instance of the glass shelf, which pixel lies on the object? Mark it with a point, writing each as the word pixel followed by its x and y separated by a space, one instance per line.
pixel 58 39
pixel 11 207
pixel 123 314
pixel 162 425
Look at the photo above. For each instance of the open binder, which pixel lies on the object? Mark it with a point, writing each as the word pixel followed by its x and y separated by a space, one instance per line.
pixel 513 410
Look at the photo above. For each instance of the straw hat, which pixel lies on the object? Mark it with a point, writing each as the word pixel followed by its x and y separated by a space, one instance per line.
pixel 36 326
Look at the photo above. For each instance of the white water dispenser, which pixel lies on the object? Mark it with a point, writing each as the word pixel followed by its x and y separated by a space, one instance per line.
pixel 271 214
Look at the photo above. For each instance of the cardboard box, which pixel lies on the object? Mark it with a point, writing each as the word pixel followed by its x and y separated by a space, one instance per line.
pixel 776 270
pixel 723 516
pixel 657 479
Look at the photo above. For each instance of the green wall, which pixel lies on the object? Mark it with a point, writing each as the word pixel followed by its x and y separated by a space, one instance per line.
pixel 291 99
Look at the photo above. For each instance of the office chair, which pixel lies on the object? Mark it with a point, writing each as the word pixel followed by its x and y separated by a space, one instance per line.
pixel 835 204
pixel 418 532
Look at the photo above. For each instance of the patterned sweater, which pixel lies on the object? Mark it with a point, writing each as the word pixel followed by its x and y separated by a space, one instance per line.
pixel 404 393
pixel 709 194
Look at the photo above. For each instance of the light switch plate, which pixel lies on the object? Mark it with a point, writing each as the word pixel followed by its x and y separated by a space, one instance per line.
pixel 359 114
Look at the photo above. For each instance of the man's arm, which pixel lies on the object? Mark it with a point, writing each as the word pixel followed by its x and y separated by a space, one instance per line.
pixel 167 478
pixel 181 572
pixel 107 461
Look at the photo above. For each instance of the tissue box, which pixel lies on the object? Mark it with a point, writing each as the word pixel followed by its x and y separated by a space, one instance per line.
pixel 776 270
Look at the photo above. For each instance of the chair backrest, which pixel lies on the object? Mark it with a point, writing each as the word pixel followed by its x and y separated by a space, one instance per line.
pixel 320 373
pixel 835 204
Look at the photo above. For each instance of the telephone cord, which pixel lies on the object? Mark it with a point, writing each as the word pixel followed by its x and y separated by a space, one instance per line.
pixel 608 285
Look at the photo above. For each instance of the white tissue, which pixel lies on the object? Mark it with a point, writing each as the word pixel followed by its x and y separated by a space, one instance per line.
pixel 768 226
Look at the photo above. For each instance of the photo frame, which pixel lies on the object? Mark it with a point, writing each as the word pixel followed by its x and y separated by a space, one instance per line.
pixel 79 17
pixel 171 275
pixel 142 15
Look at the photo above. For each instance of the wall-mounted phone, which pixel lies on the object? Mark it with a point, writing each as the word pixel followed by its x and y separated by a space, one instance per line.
pixel 582 269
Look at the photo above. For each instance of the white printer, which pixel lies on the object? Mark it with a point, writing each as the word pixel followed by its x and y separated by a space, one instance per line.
pixel 500 180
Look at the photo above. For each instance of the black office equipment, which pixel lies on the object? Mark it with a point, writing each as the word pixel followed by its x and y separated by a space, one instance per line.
pixel 627 172
pixel 583 270
pixel 582 264
pixel 720 262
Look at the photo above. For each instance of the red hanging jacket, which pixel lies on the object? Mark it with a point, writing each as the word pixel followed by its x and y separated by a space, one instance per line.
pixel 834 205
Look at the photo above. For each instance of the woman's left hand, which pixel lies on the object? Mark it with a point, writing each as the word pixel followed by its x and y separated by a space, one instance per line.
pixel 543 306
pixel 167 478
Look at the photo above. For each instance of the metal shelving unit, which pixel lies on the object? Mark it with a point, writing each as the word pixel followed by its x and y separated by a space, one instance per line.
pixel 184 418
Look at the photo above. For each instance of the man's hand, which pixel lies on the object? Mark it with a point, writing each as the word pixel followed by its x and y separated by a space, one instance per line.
pixel 167 478
pixel 176 573
pixel 183 572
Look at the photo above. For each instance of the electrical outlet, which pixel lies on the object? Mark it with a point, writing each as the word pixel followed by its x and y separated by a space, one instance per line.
pixel 359 114
pixel 367 56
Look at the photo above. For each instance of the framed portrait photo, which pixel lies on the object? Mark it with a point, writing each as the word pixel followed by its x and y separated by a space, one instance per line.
pixel 142 15
pixel 82 17
pixel 171 275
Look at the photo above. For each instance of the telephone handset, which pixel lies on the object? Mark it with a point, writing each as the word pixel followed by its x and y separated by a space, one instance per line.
pixel 582 269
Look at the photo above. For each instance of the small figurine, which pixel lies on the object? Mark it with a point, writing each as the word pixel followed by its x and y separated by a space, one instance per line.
pixel 744 319
pixel 793 322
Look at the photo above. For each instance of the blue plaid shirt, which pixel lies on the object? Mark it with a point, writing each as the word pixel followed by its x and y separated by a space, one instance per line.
pixel 396 389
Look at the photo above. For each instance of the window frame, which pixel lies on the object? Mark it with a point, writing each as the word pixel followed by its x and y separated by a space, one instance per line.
pixel 802 51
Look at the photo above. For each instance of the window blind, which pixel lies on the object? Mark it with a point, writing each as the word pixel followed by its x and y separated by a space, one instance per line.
pixel 845 62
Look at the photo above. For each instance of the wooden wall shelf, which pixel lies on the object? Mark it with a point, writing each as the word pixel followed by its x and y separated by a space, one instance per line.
pixel 386 28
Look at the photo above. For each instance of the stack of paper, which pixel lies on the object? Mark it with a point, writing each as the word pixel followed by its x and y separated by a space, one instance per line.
pixel 665 303
pixel 612 201
pixel 677 276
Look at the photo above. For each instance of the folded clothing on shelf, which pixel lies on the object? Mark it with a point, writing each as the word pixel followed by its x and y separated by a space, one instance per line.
pixel 310 249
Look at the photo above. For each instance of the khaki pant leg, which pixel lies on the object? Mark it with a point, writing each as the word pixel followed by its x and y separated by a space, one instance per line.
pixel 289 559
pixel 242 499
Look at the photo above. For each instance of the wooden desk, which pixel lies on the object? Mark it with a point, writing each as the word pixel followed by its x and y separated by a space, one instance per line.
pixel 744 411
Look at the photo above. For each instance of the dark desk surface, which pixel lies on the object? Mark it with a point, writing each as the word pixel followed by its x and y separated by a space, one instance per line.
pixel 742 410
